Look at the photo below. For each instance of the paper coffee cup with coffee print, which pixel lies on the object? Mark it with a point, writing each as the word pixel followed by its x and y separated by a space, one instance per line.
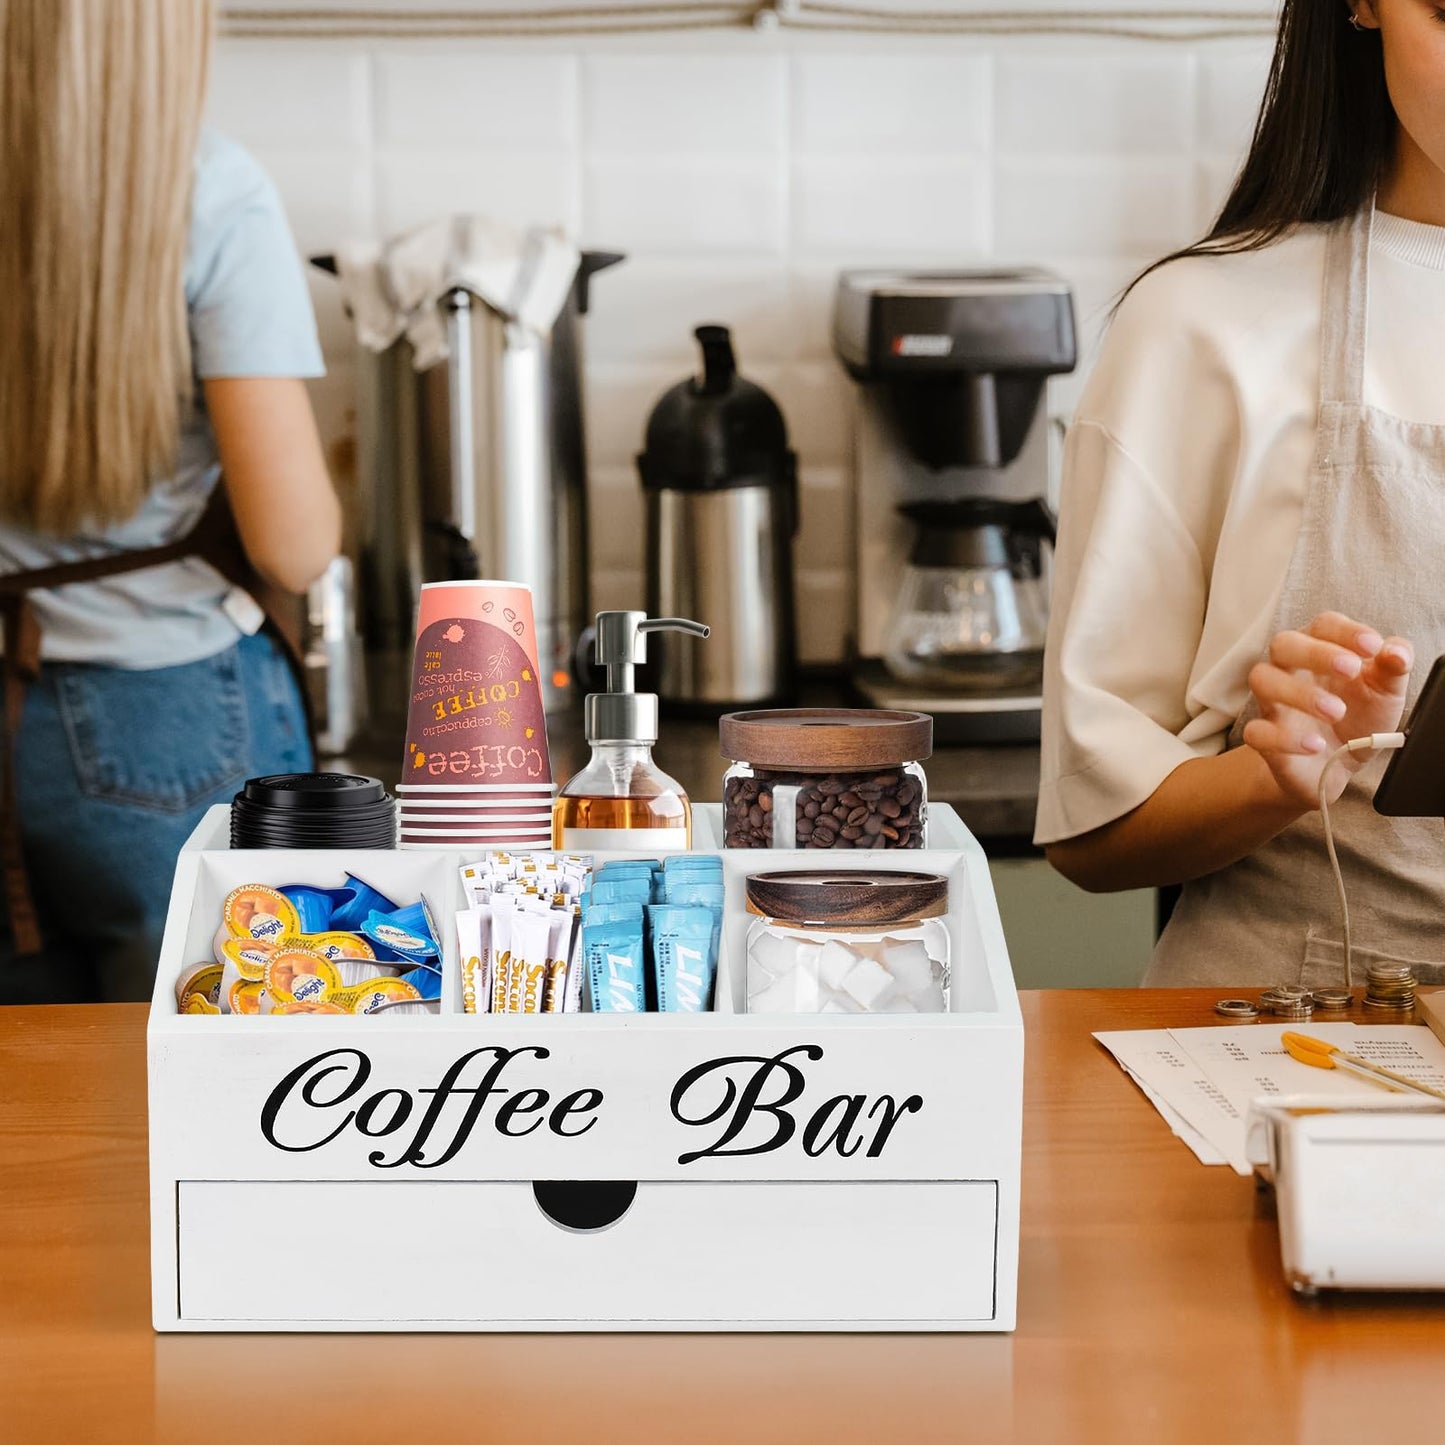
pixel 475 716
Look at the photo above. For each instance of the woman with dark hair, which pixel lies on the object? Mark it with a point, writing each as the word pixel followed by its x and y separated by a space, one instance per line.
pixel 1252 542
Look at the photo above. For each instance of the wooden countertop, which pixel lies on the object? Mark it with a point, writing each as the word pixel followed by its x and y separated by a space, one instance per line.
pixel 1151 1303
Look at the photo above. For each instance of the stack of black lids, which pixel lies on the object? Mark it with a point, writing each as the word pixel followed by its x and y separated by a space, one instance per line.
pixel 313 810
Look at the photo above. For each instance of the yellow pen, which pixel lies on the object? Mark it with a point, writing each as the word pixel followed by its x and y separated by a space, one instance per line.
pixel 1322 1055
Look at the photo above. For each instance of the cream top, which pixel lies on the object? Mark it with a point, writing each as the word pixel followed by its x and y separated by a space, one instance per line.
pixel 1183 490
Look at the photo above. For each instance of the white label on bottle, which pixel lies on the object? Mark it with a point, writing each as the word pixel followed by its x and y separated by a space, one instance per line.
pixel 624 840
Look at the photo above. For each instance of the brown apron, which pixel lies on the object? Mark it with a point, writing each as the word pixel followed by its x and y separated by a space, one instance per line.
pixel 1371 545
pixel 213 540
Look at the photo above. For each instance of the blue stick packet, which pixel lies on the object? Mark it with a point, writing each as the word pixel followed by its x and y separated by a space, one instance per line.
pixel 692 863
pixel 684 956
pixel 688 889
pixel 621 890
pixel 627 868
pixel 613 957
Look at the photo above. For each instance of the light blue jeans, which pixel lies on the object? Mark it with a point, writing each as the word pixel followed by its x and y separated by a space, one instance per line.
pixel 115 769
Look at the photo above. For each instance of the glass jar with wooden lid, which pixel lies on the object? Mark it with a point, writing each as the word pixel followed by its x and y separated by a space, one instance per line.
pixel 850 941
pixel 831 778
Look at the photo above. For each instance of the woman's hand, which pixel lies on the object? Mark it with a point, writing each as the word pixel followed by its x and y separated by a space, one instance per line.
pixel 1336 680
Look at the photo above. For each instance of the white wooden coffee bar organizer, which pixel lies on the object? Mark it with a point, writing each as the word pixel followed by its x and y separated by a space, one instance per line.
pixel 718 1171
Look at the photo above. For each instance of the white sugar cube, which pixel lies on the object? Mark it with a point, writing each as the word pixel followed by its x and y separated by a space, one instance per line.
pixel 869 983
pixel 773 954
pixel 839 1003
pixel 909 963
pixel 898 1005
pixel 835 962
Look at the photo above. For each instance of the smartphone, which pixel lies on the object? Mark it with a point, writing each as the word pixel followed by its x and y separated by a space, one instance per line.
pixel 1414 782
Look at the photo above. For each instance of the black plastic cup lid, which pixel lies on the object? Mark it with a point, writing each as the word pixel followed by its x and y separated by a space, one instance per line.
pixel 339 835
pixel 340 822
pixel 313 792
pixel 374 845
pixel 303 818
pixel 340 838
pixel 283 829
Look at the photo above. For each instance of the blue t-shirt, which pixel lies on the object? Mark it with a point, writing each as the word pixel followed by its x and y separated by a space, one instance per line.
pixel 250 315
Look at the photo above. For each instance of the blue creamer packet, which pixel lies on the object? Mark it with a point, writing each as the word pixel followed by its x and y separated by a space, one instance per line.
pixel 684 956
pixel 613 955
pixel 426 981
pixel 405 933
pixel 314 906
pixel 354 902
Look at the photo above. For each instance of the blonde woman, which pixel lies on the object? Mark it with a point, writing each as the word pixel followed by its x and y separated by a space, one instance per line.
pixel 154 333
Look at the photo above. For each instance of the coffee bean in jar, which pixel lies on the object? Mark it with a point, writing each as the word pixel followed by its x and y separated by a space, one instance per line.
pixel 830 778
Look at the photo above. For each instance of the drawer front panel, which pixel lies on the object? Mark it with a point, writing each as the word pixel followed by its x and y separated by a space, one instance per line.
pixel 312 1253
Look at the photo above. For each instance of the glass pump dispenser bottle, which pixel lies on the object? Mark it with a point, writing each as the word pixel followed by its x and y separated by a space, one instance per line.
pixel 622 799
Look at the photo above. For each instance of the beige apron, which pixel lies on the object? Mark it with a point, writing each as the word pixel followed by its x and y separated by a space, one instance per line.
pixel 1371 545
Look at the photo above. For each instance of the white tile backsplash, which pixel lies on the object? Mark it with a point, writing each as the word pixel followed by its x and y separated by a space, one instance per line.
pixel 741 173
pixel 619 400
pixel 684 206
pixel 1231 84
pixel 510 99
pixel 685 104
pixel 898 205
pixel 1092 207
pixel 891 104
pixel 1124 105
pixel 647 310
pixel 539 188
pixel 300 97
pixel 327 194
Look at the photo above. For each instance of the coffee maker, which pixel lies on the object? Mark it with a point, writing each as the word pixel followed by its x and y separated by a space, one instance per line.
pixel 952 446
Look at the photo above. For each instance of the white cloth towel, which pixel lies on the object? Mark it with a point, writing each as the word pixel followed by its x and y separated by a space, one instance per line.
pixel 394 287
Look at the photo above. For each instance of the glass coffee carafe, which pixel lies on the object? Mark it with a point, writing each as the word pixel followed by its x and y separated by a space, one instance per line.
pixel 972 608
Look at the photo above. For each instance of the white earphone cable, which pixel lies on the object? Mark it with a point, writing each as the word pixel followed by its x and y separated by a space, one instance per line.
pixel 1371 742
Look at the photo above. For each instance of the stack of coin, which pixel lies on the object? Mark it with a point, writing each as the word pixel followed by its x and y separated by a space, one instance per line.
pixel 1288 1001
pixel 1236 1008
pixel 1332 998
pixel 1390 987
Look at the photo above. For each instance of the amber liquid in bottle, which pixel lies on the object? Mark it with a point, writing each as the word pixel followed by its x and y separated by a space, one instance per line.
pixel 628 813
pixel 621 799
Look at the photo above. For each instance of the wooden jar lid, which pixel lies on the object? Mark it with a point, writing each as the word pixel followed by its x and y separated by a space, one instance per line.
pixel 826 739
pixel 847 896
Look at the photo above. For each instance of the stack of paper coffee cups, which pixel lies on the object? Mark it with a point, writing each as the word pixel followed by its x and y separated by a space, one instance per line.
pixel 476 771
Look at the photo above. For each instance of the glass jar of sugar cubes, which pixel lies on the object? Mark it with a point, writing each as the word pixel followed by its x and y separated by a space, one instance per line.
pixel 847 942
pixel 835 778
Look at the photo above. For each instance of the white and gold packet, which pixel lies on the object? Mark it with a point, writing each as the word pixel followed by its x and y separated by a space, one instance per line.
pixel 527 977
pixel 502 907
pixel 560 924
pixel 474 948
